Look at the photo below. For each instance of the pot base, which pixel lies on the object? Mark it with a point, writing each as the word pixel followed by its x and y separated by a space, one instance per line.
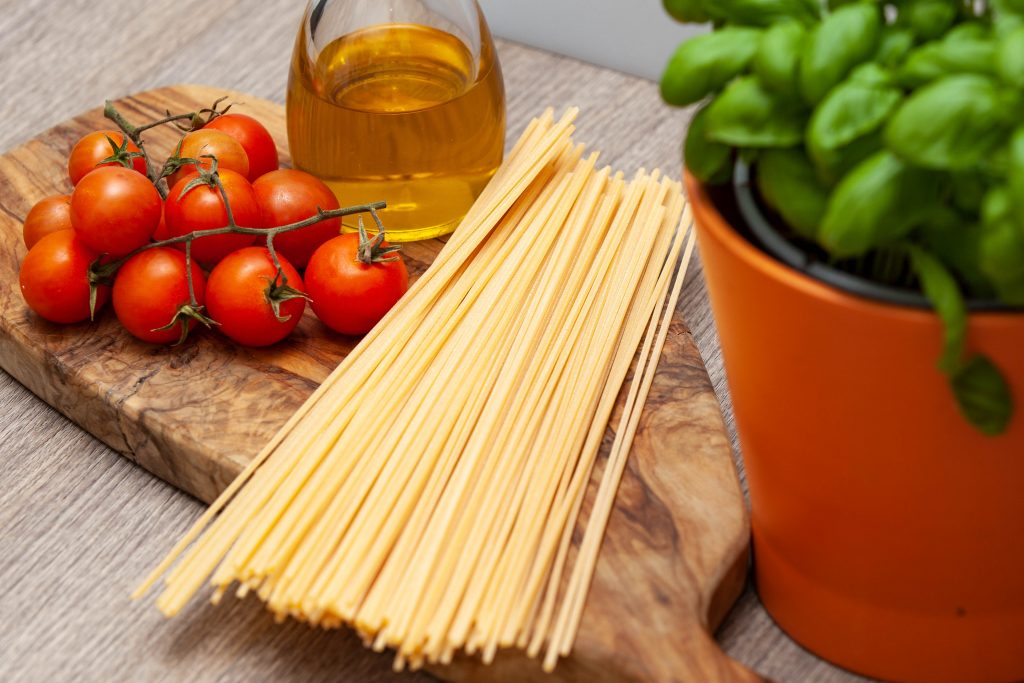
pixel 880 642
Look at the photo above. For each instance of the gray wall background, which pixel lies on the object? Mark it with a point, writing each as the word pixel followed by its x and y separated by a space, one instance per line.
pixel 634 36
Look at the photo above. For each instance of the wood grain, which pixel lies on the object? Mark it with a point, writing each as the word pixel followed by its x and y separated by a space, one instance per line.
pixel 675 556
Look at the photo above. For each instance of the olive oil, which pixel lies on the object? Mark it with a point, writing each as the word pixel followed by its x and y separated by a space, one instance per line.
pixel 400 113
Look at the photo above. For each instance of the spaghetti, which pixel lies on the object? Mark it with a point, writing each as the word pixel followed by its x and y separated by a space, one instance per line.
pixel 427 493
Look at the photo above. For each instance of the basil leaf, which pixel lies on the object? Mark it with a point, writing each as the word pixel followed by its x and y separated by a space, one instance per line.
pixel 968 191
pixel 980 390
pixel 687 11
pixel 1001 254
pixel 850 157
pixel 767 12
pixel 895 44
pixel 997 205
pixel 1015 173
pixel 941 290
pixel 777 59
pixel 833 5
pixel 709 161
pixel 968 31
pixel 997 165
pixel 958 53
pixel 951 124
pixel 929 19
pixel 846 38
pixel 984 396
pixel 878 202
pixel 956 240
pixel 872 74
pixel 747 115
pixel 851 111
pixel 1001 249
pixel 1007 6
pixel 1007 23
pixel 705 64
pixel 788 184
pixel 1010 58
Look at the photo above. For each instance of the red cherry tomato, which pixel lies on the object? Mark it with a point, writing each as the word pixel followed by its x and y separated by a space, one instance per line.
pixel 350 296
pixel 94 148
pixel 51 214
pixel 115 210
pixel 202 208
pixel 161 233
pixel 257 141
pixel 229 152
pixel 148 291
pixel 239 292
pixel 289 196
pixel 55 278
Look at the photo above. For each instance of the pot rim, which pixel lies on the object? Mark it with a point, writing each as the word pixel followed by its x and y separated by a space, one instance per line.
pixel 782 249
pixel 758 259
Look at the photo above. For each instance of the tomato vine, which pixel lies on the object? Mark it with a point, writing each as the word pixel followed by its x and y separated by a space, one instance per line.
pixel 101 273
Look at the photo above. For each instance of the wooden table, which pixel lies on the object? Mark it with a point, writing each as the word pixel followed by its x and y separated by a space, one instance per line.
pixel 79 524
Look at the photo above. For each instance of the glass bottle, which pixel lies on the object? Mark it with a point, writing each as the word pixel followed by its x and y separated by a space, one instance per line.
pixel 401 101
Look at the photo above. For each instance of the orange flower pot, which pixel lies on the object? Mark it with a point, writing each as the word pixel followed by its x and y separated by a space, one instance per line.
pixel 888 533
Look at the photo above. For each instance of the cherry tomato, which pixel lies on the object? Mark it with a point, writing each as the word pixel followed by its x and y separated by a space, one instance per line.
pixel 48 215
pixel 229 152
pixel 202 208
pixel 55 278
pixel 239 294
pixel 288 196
pixel 255 139
pixel 115 210
pixel 94 148
pixel 350 296
pixel 161 233
pixel 148 291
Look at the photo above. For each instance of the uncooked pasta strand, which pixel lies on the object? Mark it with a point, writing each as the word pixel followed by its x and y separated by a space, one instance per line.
pixel 426 494
pixel 586 563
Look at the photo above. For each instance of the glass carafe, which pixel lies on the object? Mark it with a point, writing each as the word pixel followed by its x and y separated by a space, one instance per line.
pixel 401 101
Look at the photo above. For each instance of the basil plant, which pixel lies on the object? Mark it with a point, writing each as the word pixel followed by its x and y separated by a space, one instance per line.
pixel 872 127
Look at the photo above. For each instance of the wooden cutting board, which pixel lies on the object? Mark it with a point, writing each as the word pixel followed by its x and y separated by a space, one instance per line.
pixel 675 556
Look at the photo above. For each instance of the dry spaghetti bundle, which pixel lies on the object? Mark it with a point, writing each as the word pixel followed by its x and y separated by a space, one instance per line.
pixel 427 493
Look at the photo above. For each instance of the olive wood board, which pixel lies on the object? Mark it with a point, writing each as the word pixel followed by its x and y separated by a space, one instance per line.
pixel 675 555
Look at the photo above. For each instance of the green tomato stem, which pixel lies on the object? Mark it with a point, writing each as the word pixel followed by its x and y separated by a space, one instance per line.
pixel 188 275
pixel 103 273
pixel 133 132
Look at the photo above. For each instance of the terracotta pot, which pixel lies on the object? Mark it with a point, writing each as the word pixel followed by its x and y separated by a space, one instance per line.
pixel 888 533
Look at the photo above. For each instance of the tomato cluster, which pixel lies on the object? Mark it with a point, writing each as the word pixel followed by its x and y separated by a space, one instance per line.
pixel 115 238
